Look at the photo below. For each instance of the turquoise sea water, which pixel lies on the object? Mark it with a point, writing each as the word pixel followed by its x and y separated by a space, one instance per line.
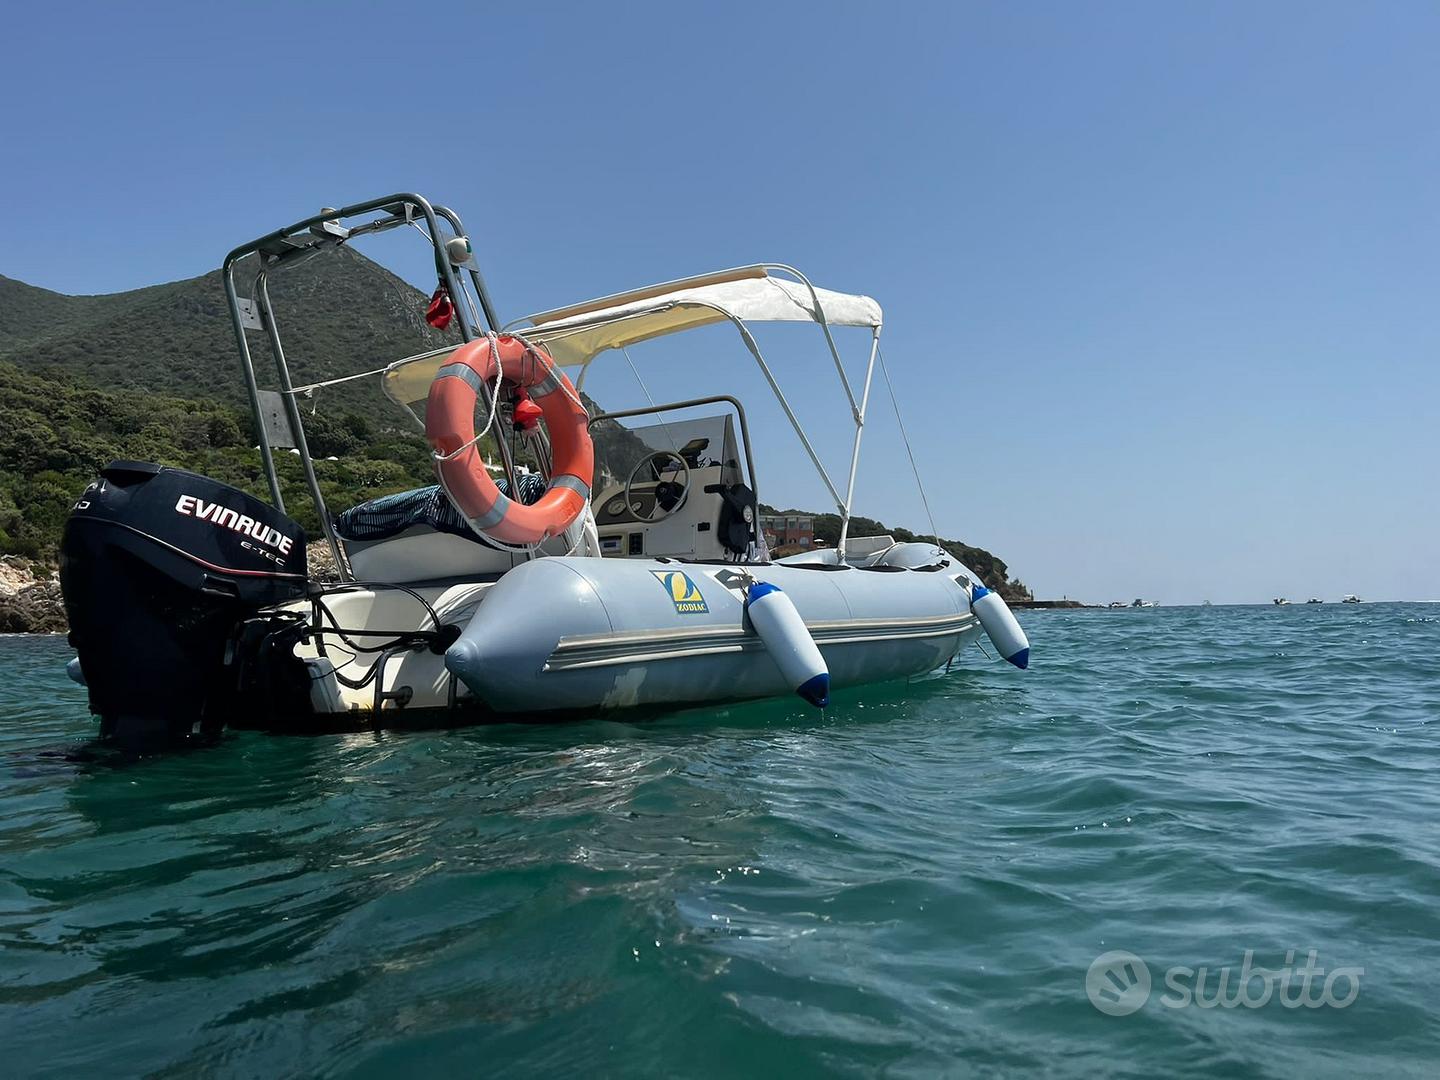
pixel 915 882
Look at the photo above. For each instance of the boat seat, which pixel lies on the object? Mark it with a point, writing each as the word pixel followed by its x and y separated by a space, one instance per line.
pixel 390 515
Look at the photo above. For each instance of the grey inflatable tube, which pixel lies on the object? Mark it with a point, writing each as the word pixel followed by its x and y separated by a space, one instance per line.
pixel 585 633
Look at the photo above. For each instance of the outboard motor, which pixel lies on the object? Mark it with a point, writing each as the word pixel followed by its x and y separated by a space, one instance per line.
pixel 158 568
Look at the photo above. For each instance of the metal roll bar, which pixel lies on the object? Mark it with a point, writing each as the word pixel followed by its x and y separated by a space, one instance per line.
pixel 299 242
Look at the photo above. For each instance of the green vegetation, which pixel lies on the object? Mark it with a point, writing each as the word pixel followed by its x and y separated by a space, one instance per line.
pixel 55 435
pixel 88 379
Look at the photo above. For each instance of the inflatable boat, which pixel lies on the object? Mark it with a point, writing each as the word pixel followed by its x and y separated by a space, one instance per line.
pixel 567 560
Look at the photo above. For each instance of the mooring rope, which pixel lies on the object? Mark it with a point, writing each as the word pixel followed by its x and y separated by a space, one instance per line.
pixel 904 435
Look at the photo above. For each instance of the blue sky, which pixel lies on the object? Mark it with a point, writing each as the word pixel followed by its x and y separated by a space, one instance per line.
pixel 1161 281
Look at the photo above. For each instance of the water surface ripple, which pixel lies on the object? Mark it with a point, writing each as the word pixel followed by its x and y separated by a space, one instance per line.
pixel 914 882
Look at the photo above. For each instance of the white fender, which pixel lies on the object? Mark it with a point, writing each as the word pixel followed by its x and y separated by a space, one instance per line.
pixel 788 641
pixel 1000 625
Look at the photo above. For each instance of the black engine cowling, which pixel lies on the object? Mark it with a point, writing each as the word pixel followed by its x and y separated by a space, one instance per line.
pixel 158 567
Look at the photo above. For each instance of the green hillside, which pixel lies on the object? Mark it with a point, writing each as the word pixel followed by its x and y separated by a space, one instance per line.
pixel 28 313
pixel 152 374
pixel 338 314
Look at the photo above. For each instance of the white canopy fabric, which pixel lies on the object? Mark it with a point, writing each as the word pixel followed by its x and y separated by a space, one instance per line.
pixel 407 382
pixel 577 334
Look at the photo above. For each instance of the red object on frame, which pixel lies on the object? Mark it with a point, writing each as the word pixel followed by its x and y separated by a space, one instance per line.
pixel 441 309
pixel 527 413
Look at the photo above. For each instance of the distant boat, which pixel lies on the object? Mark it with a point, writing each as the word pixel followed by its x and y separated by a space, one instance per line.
pixel 1280 601
pixel 1314 600
pixel 1145 603
pixel 1351 598
pixel 1117 604
pixel 1207 603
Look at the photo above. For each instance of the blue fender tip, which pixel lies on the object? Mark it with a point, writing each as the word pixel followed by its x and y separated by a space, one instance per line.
pixel 759 589
pixel 1021 659
pixel 816 690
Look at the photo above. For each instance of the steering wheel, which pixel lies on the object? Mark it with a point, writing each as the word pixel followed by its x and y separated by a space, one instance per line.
pixel 670 495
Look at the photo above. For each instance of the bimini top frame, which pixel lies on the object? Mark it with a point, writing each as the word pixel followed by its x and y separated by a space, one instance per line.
pixel 299 242
pixel 576 335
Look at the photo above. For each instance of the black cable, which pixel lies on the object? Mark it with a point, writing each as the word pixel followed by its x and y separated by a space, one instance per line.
pixel 361 683
pixel 418 637
pixel 356 586
pixel 411 639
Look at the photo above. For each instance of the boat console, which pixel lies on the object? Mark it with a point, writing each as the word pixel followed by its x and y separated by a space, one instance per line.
pixel 675 488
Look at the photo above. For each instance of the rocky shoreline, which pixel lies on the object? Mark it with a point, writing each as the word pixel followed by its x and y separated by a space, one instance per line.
pixel 29 604
pixel 30 600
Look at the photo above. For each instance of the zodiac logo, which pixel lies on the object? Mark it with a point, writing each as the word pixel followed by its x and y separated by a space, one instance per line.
pixel 683 592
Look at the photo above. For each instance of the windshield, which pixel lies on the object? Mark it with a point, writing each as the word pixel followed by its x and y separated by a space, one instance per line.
pixel 702 441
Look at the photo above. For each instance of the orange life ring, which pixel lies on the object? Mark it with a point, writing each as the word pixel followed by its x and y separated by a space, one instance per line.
pixel 450 427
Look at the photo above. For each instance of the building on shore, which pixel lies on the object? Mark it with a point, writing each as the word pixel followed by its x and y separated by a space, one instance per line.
pixel 795 531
